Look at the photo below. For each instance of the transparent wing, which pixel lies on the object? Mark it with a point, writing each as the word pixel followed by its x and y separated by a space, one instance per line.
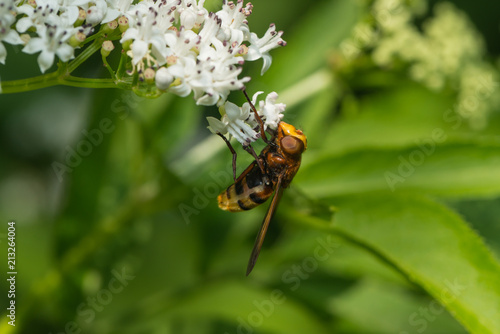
pixel 265 224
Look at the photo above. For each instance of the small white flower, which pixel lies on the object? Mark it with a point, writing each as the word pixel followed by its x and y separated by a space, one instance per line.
pixel 216 126
pixel 51 41
pixel 270 111
pixel 218 73
pixel 163 78
pixel 191 13
pixel 115 9
pixel 97 12
pixel 145 34
pixel 241 123
pixel 234 27
pixel 184 70
pixel 210 29
pixel 44 13
pixel 260 47
pixel 235 118
pixel 181 43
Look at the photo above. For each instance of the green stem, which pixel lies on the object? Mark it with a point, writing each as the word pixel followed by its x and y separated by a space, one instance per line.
pixel 24 85
pixel 54 79
pixel 62 75
pixel 88 82
pixel 121 66
pixel 110 70
pixel 86 53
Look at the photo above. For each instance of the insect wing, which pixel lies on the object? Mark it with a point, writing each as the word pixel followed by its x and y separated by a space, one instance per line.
pixel 265 224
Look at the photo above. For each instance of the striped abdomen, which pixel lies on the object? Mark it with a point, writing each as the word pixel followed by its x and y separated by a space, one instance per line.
pixel 249 191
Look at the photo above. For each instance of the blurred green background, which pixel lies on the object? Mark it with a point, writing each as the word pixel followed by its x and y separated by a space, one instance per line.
pixel 391 225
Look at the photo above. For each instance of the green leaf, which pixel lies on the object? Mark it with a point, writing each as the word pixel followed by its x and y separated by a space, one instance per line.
pixel 372 306
pixel 455 170
pixel 434 247
pixel 394 118
pixel 321 29
pixel 251 308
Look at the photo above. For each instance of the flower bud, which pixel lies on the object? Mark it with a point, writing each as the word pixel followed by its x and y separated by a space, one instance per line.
pixel 163 78
pixel 172 59
pixel 110 26
pixel 82 15
pixel 107 47
pixel 123 23
pixel 149 75
pixel 77 39
pixel 243 50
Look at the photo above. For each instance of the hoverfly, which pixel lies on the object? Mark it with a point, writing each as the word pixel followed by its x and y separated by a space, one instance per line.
pixel 271 172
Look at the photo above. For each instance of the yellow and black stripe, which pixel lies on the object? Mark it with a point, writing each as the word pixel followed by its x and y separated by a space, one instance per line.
pixel 250 190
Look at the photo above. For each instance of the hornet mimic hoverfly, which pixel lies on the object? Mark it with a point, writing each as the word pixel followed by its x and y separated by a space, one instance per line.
pixel 272 171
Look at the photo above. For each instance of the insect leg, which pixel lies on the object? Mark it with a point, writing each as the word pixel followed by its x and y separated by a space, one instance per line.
pixel 257 117
pixel 232 151
pixel 250 150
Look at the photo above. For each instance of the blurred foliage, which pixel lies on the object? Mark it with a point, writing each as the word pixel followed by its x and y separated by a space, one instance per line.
pixel 391 225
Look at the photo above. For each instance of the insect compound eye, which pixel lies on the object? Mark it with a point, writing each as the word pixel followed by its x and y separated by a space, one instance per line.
pixel 291 145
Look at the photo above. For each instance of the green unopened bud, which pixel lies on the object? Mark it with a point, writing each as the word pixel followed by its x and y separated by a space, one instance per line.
pixel 82 15
pixel 107 47
pixel 77 39
pixel 110 26
pixel 123 23
pixel 149 75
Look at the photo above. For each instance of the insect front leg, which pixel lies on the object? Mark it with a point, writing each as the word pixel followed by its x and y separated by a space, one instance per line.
pixel 233 153
pixel 250 150
pixel 257 117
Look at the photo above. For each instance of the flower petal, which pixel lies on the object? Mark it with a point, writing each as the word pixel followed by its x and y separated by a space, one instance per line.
pixel 3 53
pixel 216 126
pixel 35 45
pixel 65 52
pixel 23 24
pixel 45 60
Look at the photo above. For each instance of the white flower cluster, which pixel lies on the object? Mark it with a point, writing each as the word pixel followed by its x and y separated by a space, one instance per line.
pixel 54 25
pixel 444 53
pixel 190 49
pixel 202 51
pixel 240 122
pixel 7 35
